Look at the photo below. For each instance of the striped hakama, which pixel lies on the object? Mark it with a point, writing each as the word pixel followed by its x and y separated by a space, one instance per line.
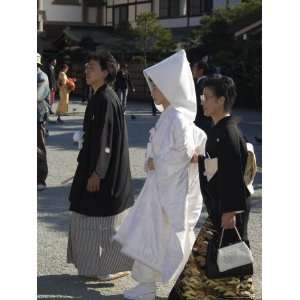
pixel 90 245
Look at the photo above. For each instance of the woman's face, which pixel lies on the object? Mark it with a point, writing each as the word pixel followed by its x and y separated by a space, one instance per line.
pixel 158 97
pixel 212 105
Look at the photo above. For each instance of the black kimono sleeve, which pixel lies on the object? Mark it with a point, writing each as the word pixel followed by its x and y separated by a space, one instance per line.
pixel 106 139
pixel 231 187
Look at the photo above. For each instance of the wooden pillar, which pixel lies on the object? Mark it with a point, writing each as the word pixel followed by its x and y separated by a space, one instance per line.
pixel 100 15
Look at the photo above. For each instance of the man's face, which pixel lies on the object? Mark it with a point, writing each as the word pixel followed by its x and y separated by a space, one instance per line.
pixel 94 73
pixel 54 62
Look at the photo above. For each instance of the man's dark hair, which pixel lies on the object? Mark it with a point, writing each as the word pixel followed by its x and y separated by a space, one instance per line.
pixel 223 86
pixel 106 62
pixel 201 65
pixel 64 66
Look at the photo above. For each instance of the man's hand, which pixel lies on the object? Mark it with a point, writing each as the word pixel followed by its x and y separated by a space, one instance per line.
pixel 150 164
pixel 229 220
pixel 194 159
pixel 93 184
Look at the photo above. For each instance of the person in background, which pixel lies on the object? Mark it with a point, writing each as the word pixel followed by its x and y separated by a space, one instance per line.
pixel 64 92
pixel 86 90
pixel 50 71
pixel 101 193
pixel 199 70
pixel 122 84
pixel 42 116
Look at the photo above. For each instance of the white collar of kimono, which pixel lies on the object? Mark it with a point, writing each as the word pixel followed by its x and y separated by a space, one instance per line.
pixel 164 115
pixel 201 78
pixel 174 79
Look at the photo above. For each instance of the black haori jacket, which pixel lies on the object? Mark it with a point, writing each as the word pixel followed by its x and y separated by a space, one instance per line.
pixel 105 139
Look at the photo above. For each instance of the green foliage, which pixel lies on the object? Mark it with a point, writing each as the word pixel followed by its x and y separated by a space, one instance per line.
pixel 238 58
pixel 153 38
pixel 218 29
pixel 138 59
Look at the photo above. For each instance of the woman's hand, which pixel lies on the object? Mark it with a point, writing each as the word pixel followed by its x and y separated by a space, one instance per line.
pixel 93 184
pixel 150 164
pixel 229 220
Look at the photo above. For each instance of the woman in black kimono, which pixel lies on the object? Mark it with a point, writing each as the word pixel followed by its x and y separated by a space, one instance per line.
pixel 101 191
pixel 225 195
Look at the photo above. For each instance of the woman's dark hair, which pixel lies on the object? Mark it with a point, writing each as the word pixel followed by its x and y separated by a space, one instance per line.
pixel 223 86
pixel 107 62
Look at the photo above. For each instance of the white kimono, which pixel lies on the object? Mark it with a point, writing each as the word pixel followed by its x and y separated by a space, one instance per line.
pixel 159 230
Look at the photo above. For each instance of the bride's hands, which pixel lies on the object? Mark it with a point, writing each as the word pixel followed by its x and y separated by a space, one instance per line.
pixel 194 159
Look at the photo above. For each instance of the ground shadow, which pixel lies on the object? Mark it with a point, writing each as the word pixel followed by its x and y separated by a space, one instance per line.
pixel 138 131
pixel 63 141
pixel 71 287
pixel 53 207
pixel 53 204
pixel 61 135
pixel 74 287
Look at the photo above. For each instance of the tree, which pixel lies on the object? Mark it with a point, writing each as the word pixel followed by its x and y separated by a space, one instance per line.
pixel 152 36
pixel 238 58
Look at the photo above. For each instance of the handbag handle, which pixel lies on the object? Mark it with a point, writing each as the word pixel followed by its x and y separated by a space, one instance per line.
pixel 222 234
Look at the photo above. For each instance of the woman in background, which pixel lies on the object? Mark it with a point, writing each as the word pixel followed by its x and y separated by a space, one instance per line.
pixel 64 92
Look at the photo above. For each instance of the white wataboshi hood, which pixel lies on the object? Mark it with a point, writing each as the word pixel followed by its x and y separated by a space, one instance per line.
pixel 173 77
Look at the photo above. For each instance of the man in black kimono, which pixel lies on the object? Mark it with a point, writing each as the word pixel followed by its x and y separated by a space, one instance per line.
pixel 122 84
pixel 42 117
pixel 199 73
pixel 101 189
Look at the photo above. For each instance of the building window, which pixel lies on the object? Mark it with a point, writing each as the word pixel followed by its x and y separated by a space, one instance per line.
pixel 195 7
pixel 200 7
pixel 90 3
pixel 174 8
pixel 66 2
pixel 169 8
pixel 164 8
pixel 120 14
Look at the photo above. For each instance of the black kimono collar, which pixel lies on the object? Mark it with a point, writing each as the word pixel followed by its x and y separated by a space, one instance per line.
pixel 225 120
pixel 101 88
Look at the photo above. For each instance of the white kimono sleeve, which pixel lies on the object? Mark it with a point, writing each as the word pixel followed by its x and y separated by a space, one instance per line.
pixel 200 139
pixel 179 153
pixel 149 152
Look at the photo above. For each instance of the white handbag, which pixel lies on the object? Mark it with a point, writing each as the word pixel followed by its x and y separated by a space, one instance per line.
pixel 233 256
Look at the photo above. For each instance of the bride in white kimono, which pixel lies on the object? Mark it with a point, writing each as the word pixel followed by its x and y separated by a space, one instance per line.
pixel 158 233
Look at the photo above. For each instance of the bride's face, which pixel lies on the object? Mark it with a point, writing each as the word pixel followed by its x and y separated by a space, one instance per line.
pixel 159 98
